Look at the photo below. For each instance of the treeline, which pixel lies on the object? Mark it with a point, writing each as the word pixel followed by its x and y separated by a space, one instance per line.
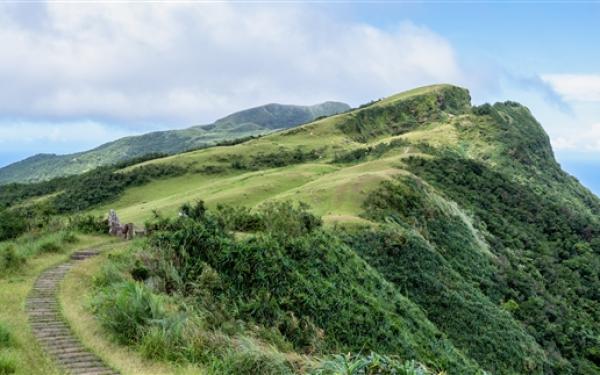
pixel 281 158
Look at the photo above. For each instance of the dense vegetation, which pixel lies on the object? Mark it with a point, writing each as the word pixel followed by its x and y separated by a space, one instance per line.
pixel 292 284
pixel 243 124
pixel 549 265
pixel 462 247
pixel 406 115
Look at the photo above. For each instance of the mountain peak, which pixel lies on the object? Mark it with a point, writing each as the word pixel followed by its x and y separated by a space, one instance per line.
pixel 280 116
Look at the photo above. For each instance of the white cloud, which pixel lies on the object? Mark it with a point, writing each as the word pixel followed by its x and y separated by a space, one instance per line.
pixel 189 63
pixel 575 87
pixel 584 139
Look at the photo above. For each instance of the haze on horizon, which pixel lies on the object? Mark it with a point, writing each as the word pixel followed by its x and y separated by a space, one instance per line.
pixel 78 75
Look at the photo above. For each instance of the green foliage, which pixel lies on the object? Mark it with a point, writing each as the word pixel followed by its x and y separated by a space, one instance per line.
pixel 12 224
pixel 8 365
pixel 49 246
pixel 239 218
pixel 89 224
pixel 373 364
pixel 77 193
pixel 195 211
pixel 10 260
pixel 6 340
pixel 361 154
pixel 250 362
pixel 281 158
pixel 399 117
pixel 422 271
pixel 548 254
pixel 126 308
pixel 286 278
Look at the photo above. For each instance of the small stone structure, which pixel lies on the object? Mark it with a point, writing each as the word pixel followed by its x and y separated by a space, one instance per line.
pixel 114 225
pixel 126 231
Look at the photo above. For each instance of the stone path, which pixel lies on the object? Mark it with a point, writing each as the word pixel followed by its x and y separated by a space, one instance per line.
pixel 52 331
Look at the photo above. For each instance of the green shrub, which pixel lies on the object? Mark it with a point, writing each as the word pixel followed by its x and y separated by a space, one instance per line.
pixel 281 158
pixel 168 339
pixel 8 365
pixel 250 362
pixel 194 211
pixel 126 308
pixel 12 224
pixel 373 364
pixel 49 246
pixel 287 220
pixel 89 224
pixel 5 336
pixel 240 218
pixel 68 237
pixel 10 259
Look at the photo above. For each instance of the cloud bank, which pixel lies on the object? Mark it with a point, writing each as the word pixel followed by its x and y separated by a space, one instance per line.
pixel 179 64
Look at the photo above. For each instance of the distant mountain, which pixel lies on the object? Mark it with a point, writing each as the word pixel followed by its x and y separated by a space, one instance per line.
pixel 249 122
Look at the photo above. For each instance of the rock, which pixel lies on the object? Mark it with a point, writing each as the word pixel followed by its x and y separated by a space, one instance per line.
pixel 114 225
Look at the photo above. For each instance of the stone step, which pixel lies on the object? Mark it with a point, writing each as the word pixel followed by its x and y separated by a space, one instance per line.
pixel 66 349
pixel 75 357
pixel 52 332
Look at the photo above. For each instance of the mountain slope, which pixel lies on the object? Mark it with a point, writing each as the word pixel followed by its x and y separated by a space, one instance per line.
pixel 459 233
pixel 253 121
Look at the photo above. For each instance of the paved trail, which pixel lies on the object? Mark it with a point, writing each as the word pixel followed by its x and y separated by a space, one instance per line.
pixel 51 329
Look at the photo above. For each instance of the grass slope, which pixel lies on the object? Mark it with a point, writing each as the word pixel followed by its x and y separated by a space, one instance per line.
pixel 464 229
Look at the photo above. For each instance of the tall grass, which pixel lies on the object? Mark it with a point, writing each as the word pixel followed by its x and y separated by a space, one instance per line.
pixel 373 364
pixel 7 361
pixel 14 254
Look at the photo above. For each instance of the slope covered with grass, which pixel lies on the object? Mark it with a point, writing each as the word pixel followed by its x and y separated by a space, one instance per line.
pixel 461 244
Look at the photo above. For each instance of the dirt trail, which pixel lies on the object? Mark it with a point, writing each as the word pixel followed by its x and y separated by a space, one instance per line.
pixel 51 329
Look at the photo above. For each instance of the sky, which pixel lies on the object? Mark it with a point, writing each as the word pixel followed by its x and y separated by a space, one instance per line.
pixel 74 75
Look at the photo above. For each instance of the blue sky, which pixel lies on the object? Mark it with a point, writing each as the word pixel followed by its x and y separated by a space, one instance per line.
pixel 77 75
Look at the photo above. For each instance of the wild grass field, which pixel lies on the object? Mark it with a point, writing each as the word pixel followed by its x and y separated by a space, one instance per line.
pixel 415 228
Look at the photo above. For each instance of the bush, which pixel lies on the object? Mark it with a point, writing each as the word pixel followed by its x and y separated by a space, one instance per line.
pixel 126 308
pixel 373 364
pixel 12 224
pixel 8 365
pixel 251 362
pixel 49 246
pixel 287 220
pixel 10 259
pixel 5 337
pixel 89 224
pixel 239 218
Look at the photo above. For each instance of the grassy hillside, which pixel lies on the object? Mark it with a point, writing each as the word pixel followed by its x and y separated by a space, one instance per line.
pixel 451 237
pixel 247 123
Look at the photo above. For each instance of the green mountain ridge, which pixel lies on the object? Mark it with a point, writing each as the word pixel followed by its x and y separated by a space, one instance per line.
pixel 246 123
pixel 437 231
